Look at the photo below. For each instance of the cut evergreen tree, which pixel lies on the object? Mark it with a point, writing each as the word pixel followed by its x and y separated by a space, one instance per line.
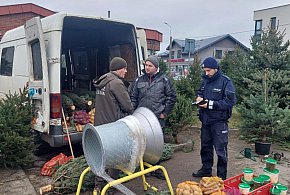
pixel 271 53
pixel 269 50
pixel 163 67
pixel 184 114
pixel 67 103
pixel 185 87
pixel 167 152
pixel 181 116
pixel 264 119
pixel 66 177
pixel 16 139
pixel 237 66
pixel 195 73
pixel 79 102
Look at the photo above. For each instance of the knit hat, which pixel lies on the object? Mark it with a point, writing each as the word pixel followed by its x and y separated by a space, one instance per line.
pixel 117 63
pixel 154 60
pixel 210 62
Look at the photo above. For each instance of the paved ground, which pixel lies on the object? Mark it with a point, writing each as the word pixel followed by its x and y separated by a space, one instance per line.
pixel 180 168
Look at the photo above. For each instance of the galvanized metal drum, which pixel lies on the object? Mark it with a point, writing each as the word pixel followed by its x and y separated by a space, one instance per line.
pixel 124 142
pixel 154 135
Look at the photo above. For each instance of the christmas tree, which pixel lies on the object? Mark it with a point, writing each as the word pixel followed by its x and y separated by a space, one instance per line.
pixel 237 66
pixel 265 107
pixel 16 140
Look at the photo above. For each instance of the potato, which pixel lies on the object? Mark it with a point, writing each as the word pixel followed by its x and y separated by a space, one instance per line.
pixel 195 188
pixel 180 191
pixel 187 187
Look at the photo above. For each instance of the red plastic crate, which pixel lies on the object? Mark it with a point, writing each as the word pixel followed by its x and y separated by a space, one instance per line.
pixel 236 180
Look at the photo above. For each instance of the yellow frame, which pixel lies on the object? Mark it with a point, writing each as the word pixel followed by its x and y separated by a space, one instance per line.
pixel 130 176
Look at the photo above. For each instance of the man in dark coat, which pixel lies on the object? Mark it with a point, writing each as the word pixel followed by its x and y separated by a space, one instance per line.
pixel 112 103
pixel 112 98
pixel 217 93
pixel 155 91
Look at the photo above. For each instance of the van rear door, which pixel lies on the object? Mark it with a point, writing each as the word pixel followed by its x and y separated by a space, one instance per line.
pixel 38 78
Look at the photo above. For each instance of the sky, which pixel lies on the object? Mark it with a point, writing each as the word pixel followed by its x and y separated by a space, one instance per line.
pixel 196 19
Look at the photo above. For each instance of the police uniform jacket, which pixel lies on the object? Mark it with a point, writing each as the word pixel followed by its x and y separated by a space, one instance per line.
pixel 220 92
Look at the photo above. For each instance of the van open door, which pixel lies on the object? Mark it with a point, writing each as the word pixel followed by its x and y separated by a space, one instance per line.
pixel 142 46
pixel 38 78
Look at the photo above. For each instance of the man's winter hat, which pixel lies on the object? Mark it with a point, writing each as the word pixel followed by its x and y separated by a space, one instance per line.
pixel 117 63
pixel 210 62
pixel 154 60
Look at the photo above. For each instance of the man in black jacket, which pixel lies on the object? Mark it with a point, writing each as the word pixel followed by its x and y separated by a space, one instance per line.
pixel 155 91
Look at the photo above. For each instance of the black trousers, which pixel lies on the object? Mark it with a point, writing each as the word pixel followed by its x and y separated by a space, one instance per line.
pixel 215 136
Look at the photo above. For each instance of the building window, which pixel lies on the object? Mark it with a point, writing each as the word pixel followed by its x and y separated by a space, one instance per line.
pixel 258 27
pixel 230 53
pixel 7 61
pixel 172 54
pixel 218 54
pixel 179 54
pixel 273 23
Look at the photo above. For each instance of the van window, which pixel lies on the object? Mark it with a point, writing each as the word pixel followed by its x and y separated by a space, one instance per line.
pixel 7 61
pixel 36 60
pixel 20 57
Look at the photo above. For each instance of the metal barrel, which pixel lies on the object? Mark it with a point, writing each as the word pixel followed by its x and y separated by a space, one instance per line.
pixel 124 142
pixel 154 135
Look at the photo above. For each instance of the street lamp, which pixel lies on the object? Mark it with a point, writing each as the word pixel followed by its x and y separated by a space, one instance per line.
pixel 170 46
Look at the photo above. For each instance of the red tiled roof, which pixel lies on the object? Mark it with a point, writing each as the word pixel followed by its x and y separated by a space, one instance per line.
pixel 24 8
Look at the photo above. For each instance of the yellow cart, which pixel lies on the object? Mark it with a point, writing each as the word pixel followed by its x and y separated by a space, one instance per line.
pixel 130 176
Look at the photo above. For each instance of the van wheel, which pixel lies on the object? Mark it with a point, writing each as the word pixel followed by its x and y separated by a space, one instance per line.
pixel 41 147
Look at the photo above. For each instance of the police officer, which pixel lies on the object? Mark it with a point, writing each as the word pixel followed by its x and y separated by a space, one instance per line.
pixel 217 98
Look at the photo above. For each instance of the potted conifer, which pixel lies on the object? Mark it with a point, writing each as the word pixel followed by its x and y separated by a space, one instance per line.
pixel 262 118
pixel 265 89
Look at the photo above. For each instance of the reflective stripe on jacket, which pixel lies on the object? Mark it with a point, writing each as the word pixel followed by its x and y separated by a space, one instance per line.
pixel 221 95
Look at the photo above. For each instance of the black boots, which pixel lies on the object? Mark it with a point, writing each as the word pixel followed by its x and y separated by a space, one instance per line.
pixel 159 174
pixel 202 173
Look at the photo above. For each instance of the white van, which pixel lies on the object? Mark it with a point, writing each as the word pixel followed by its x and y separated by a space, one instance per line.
pixel 61 53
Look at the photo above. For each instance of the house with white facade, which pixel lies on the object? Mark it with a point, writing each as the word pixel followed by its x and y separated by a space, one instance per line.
pixel 184 51
pixel 274 17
